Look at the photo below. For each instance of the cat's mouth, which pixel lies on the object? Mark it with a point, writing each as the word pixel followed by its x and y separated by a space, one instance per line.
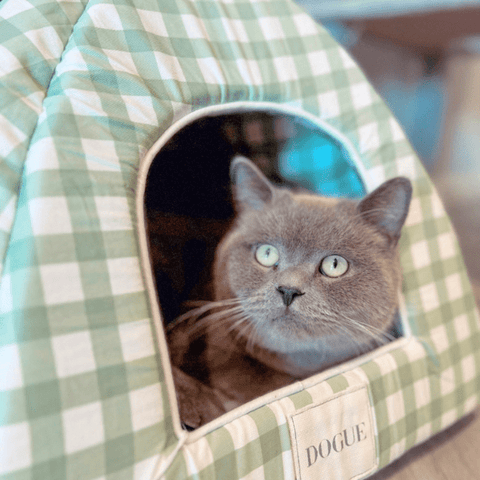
pixel 289 320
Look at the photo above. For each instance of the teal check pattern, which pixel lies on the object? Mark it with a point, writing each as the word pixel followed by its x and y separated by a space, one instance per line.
pixel 86 87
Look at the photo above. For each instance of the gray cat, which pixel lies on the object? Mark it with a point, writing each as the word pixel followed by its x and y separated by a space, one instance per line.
pixel 301 283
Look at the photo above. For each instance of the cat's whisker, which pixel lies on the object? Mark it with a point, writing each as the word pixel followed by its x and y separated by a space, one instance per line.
pixel 210 306
pixel 205 305
pixel 251 339
pixel 371 335
pixel 381 332
pixel 245 331
pixel 237 323
pixel 204 325
pixel 222 317
pixel 219 333
pixel 240 332
pixel 376 334
pixel 211 303
pixel 336 325
pixel 211 316
pixel 195 313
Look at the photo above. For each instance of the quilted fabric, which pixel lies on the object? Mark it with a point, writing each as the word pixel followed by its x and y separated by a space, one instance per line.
pixel 86 88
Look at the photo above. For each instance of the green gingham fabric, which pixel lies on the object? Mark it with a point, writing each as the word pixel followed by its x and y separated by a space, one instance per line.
pixel 86 87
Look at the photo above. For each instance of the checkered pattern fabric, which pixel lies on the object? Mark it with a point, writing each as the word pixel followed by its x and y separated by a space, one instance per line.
pixel 86 87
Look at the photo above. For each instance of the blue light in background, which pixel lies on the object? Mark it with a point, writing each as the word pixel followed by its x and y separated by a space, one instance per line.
pixel 318 162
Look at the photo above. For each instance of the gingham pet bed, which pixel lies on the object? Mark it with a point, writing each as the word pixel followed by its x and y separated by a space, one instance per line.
pixel 90 91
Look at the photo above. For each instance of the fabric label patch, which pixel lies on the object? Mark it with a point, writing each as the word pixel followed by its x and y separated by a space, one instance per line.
pixel 336 439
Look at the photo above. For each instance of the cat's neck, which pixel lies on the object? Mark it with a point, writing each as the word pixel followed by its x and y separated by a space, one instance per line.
pixel 329 351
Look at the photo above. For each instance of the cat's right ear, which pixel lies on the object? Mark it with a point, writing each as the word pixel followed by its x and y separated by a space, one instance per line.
pixel 252 190
pixel 387 207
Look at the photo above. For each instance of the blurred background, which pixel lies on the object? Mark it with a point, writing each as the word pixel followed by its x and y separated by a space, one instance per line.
pixel 423 58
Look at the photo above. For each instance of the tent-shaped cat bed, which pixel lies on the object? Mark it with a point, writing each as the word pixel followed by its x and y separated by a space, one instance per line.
pixel 87 89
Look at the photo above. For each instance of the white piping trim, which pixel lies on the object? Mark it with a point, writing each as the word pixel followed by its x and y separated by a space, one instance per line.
pixel 154 304
pixel 164 463
pixel 246 107
pixel 224 109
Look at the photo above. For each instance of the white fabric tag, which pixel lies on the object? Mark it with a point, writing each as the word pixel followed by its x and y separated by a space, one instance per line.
pixel 335 439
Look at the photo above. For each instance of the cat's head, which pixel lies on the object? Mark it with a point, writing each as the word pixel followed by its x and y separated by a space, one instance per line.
pixel 307 269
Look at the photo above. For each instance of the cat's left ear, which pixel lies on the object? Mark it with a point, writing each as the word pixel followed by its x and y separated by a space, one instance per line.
pixel 387 207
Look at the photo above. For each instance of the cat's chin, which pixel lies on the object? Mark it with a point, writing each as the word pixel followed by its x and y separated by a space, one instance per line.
pixel 289 332
pixel 285 340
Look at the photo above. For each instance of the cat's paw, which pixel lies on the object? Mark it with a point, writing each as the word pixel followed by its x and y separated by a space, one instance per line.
pixel 198 403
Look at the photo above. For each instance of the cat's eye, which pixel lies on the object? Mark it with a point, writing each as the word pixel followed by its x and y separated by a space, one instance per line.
pixel 334 266
pixel 267 255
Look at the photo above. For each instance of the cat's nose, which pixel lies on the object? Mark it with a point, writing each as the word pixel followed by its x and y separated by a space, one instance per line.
pixel 288 294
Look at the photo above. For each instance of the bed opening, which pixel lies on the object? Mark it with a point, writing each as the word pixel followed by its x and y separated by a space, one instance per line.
pixel 188 206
